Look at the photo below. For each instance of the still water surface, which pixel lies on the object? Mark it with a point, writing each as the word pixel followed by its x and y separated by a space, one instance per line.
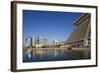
pixel 54 55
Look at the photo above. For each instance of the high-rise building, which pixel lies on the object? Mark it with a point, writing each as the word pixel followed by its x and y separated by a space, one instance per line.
pixel 36 42
pixel 37 39
pixel 55 42
pixel 45 42
pixel 33 41
pixel 28 42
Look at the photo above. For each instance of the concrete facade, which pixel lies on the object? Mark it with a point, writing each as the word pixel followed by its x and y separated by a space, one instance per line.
pixel 80 37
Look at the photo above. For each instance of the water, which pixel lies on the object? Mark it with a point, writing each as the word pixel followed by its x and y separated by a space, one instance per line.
pixel 38 55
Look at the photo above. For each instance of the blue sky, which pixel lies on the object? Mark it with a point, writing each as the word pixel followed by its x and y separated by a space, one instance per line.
pixel 48 24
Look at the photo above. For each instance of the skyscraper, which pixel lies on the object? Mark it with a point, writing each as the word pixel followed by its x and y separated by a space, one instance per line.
pixel 28 42
pixel 33 41
pixel 45 42
pixel 55 42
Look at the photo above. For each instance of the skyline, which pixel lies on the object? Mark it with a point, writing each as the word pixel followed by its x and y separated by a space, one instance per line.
pixel 49 24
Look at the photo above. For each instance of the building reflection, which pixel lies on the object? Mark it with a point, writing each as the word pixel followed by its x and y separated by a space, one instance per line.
pixel 56 54
pixel 43 52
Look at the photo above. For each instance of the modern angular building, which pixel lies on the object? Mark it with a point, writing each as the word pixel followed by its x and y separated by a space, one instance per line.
pixel 81 36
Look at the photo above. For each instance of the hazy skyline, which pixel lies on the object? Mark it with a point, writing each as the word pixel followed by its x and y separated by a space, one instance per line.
pixel 48 24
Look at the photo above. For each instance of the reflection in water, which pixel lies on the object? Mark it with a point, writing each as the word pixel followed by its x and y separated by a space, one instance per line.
pixel 36 55
pixel 29 54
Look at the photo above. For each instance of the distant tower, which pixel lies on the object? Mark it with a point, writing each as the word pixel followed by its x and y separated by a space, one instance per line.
pixel 28 42
pixel 33 41
pixel 37 39
pixel 45 42
pixel 55 42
